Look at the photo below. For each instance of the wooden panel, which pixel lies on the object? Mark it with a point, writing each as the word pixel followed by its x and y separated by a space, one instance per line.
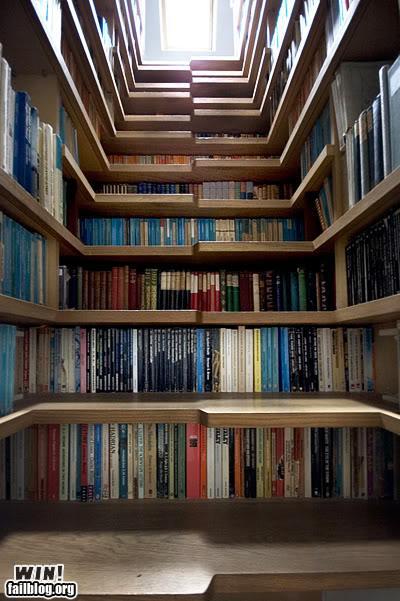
pixel 208 549
pixel 17 311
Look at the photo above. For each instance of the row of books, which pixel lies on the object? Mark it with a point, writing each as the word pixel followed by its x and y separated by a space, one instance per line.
pixel 337 13
pixel 182 359
pixel 80 84
pixel 300 28
pixel 7 367
pixel 30 150
pixel 367 108
pixel 316 141
pixel 98 462
pixel 203 135
pixel 150 159
pixel 308 82
pixel 373 260
pixel 229 190
pixel 275 38
pixel 245 190
pixel 22 262
pixel 107 29
pixel 124 287
pixel 49 12
pixel 324 204
pixel 178 231
pixel 173 159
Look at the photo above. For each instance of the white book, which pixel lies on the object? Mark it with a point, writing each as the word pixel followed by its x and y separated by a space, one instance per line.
pixel 218 464
pixel 225 463
pixel 130 459
pixel 5 83
pixel 64 462
pixel 228 354
pixel 210 463
pixel 135 360
pixel 307 463
pixel 114 461
pixel 72 450
pixel 140 443
pixel 10 131
pixel 235 366
pixel 223 371
pixel 241 359
pixel 249 361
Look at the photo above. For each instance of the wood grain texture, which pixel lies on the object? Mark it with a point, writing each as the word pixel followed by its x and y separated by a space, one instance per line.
pixel 213 410
pixel 193 550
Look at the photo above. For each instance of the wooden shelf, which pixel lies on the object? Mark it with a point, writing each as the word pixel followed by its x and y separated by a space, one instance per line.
pixel 253 250
pixel 377 311
pixel 181 142
pixel 209 550
pixel 210 409
pixel 379 200
pixel 25 313
pixel 314 179
pixel 41 54
pixel 344 48
pixel 21 206
pixel 199 171
pixel 181 205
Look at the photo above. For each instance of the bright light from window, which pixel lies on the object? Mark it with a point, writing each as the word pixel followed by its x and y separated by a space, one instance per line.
pixel 187 24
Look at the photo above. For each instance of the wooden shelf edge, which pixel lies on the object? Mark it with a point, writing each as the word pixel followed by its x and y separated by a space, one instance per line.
pixel 233 410
pixel 313 180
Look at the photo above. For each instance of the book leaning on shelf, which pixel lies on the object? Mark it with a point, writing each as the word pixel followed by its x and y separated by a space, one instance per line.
pixel 22 262
pixel 373 260
pixel 181 231
pixel 99 462
pixel 305 288
pixel 30 150
pixel 190 359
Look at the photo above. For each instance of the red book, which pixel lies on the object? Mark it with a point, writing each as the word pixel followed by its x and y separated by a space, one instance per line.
pixel 217 292
pixel 243 304
pixel 280 462
pixel 109 290
pixel 132 295
pixel 114 288
pixel 193 461
pixel 125 271
pixel 84 462
pixel 120 288
pixel 41 463
pixel 203 462
pixel 211 295
pixel 53 462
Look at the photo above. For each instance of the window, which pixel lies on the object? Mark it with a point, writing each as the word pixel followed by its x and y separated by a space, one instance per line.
pixel 187 25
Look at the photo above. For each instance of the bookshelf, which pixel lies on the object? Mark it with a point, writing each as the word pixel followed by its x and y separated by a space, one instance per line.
pixel 236 547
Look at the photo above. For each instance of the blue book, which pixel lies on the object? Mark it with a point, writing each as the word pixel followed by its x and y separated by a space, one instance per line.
pixel 264 359
pixel 200 359
pixel 123 461
pixel 98 429
pixel 294 291
pixel 275 358
pixel 284 359
pixel 34 188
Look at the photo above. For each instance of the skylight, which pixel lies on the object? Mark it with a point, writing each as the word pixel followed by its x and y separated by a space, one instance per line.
pixel 187 25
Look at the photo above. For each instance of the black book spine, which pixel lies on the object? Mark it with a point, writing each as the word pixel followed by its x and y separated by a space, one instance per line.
pixel 253 463
pixel 247 464
pixel 208 359
pixel 315 463
pixel 231 462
